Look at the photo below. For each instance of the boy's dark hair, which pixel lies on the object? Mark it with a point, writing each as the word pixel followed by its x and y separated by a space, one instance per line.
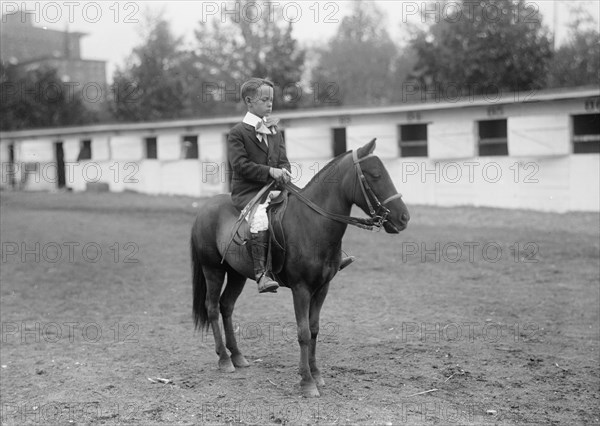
pixel 250 87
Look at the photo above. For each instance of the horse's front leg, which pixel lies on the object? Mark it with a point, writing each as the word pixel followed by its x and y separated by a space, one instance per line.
pixel 315 310
pixel 214 279
pixel 301 308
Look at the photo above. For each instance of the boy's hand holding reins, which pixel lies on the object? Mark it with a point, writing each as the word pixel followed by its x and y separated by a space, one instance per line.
pixel 280 175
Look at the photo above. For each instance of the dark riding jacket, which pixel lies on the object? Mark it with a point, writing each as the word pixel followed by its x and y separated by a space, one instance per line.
pixel 250 160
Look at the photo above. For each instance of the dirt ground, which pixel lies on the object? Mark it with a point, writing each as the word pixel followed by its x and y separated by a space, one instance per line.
pixel 470 316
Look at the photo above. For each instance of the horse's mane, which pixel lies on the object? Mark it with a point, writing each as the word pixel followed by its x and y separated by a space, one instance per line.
pixel 329 165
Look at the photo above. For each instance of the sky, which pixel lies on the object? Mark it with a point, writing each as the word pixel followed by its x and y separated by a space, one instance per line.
pixel 114 28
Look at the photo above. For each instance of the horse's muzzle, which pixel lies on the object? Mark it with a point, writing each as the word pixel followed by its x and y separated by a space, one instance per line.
pixel 395 228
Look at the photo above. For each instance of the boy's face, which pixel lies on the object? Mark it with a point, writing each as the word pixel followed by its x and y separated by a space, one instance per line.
pixel 262 103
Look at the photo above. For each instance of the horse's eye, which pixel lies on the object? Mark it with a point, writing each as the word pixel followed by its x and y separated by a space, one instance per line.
pixel 374 175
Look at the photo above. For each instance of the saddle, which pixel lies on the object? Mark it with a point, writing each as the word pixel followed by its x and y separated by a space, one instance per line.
pixel 276 252
pixel 276 211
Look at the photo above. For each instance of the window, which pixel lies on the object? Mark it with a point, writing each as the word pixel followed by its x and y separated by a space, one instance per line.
pixel 492 137
pixel 190 147
pixel 586 133
pixel 85 150
pixel 151 149
pixel 339 141
pixel 413 140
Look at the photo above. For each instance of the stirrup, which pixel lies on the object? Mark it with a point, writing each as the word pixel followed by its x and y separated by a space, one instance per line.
pixel 346 262
pixel 267 285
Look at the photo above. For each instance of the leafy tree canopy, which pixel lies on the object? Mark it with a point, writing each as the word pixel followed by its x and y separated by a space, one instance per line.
pixel 481 46
pixel 39 98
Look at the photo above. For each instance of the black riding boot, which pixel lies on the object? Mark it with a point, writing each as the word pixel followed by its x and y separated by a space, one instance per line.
pixel 259 244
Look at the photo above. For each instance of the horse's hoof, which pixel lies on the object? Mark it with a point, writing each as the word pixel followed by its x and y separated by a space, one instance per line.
pixel 310 391
pixel 225 366
pixel 239 361
pixel 319 380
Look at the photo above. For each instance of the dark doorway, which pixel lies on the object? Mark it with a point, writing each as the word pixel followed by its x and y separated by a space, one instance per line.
pixel 11 166
pixel 190 147
pixel 151 148
pixel 586 133
pixel 60 164
pixel 493 138
pixel 339 141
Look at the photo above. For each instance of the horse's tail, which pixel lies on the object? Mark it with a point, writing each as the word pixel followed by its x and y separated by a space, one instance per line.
pixel 199 288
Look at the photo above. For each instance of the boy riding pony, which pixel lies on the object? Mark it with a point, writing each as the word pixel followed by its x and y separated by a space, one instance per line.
pixel 258 156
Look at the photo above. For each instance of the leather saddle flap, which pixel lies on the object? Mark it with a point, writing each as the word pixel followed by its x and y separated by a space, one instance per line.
pixel 275 211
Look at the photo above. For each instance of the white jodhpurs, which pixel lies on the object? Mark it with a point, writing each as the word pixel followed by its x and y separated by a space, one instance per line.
pixel 258 219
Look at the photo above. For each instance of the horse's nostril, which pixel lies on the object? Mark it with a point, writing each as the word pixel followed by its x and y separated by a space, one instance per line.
pixel 405 217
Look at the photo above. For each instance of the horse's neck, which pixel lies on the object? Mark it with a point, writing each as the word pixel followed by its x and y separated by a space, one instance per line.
pixel 330 196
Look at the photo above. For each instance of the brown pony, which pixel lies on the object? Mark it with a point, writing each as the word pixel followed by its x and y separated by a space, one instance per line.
pixel 315 222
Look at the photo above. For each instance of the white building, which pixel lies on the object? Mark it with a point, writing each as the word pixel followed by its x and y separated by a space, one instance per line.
pixel 532 150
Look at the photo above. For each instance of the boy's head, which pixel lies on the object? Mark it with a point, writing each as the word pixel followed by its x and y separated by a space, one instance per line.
pixel 257 94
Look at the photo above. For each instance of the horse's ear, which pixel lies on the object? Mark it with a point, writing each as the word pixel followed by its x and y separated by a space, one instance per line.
pixel 363 151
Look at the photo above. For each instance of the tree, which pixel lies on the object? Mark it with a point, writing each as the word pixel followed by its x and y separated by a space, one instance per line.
pixel 256 45
pixel 358 66
pixel 154 84
pixel 38 98
pixel 577 62
pixel 479 47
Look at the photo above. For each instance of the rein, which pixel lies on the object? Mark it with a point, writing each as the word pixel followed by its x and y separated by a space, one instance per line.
pixel 377 217
pixel 378 214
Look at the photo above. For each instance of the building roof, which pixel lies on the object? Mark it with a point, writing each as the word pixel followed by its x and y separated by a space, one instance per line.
pixel 55 59
pixel 529 96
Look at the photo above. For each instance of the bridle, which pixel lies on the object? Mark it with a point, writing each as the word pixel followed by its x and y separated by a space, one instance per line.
pixel 377 211
pixel 380 214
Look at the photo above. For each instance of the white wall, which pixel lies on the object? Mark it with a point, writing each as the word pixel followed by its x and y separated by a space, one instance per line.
pixel 182 177
pixel 452 137
pixel 126 148
pixel 541 173
pixel 213 161
pixel 150 177
pixel 6 169
pixel 32 151
pixel 557 184
pixel 71 147
pixel 304 143
pixel 385 133
pixel 539 136
pixel 584 182
pixel 169 146
pixel 101 148
pixel 35 169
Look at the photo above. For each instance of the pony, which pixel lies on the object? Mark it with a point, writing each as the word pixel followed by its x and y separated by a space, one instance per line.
pixel 313 253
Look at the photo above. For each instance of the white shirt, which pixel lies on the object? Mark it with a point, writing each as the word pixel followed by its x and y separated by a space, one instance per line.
pixel 253 120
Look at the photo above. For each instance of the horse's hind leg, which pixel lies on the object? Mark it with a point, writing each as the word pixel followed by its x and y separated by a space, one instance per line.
pixel 235 284
pixel 315 310
pixel 214 279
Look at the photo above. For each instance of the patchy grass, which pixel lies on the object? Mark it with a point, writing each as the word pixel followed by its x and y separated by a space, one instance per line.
pixel 496 309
